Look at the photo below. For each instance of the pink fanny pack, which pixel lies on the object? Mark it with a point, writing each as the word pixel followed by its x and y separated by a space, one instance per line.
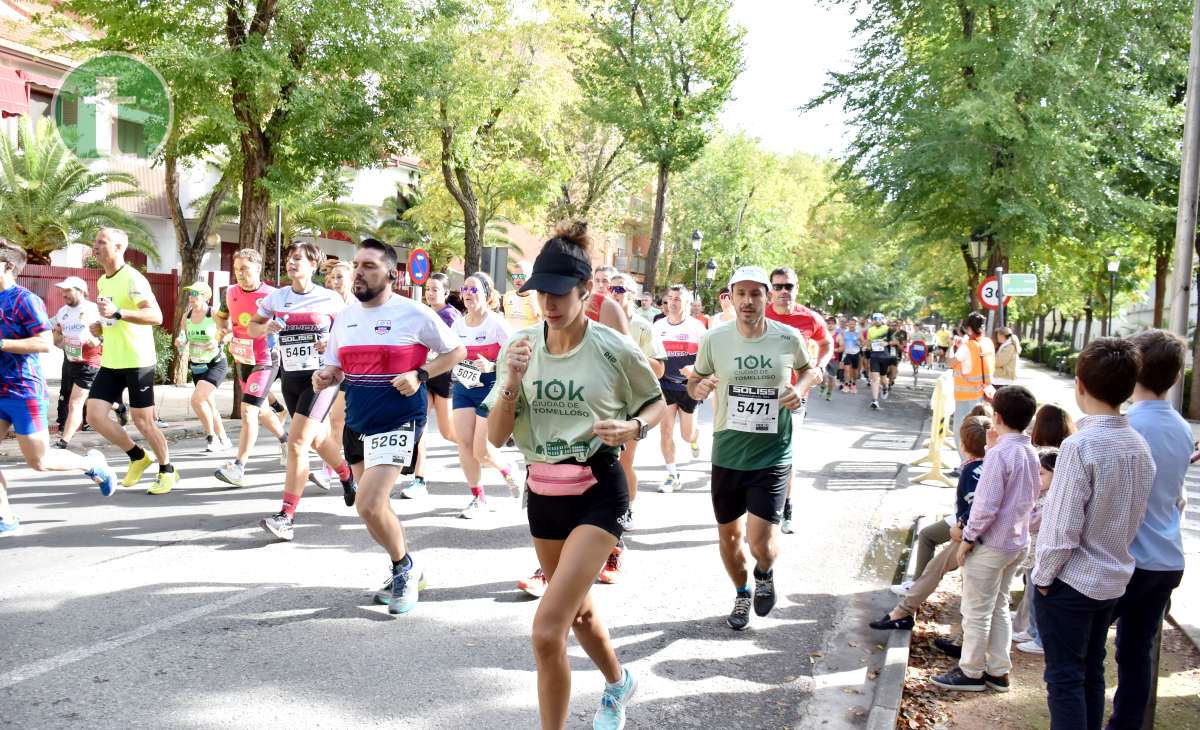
pixel 560 480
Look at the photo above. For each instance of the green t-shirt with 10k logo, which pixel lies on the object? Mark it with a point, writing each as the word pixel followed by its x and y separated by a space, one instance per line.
pixel 562 397
pixel 750 429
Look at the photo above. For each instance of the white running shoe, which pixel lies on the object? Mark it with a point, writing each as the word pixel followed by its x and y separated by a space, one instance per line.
pixel 1020 637
pixel 232 473
pixel 416 489
pixel 477 507
pixel 670 484
pixel 1030 647
pixel 903 588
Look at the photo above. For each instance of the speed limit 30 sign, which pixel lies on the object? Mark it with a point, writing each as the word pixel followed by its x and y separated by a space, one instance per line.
pixel 989 294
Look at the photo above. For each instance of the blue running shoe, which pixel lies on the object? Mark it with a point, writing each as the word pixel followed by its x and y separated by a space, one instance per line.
pixel 100 473
pixel 406 587
pixel 611 715
pixel 10 527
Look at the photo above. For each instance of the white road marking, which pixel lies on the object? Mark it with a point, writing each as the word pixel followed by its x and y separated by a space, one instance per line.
pixel 35 669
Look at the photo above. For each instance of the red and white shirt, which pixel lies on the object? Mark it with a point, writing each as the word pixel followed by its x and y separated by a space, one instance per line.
pixel 306 318
pixel 484 340
pixel 682 342
pixel 374 345
pixel 74 323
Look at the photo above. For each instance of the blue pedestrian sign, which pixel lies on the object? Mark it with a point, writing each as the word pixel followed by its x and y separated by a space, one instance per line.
pixel 418 266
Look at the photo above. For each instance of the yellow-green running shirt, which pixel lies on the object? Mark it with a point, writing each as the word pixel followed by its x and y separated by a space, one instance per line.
pixel 126 345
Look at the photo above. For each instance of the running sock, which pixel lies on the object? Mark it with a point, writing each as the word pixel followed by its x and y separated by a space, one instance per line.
pixel 283 439
pixel 290 502
pixel 404 562
pixel 759 575
pixel 787 506
pixel 277 407
pixel 343 471
pixel 744 590
pixel 166 468
pixel 671 470
pixel 136 453
pixel 209 438
pixel 619 685
pixel 505 471
pixel 478 492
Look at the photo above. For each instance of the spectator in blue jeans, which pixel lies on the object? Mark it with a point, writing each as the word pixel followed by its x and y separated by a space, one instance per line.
pixel 1095 507
pixel 1157 548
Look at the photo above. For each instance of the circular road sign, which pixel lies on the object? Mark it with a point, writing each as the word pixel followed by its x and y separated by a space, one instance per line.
pixel 989 295
pixel 917 351
pixel 108 93
pixel 418 266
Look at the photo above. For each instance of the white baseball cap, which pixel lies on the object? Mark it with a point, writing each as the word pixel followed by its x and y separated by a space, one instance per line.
pixel 750 273
pixel 73 282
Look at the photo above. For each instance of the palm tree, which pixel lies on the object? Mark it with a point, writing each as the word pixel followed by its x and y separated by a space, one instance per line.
pixel 42 192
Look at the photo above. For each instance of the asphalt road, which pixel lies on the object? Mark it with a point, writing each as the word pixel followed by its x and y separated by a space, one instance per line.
pixel 179 612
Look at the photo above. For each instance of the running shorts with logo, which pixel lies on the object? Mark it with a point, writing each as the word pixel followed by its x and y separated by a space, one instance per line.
pixel 681 341
pixel 253 364
pixel 752 433
pixel 306 318
pixel 111 384
pixel 27 415
pixel 372 346
pixel 353 447
pixel 79 375
pixel 602 505
pixel 471 387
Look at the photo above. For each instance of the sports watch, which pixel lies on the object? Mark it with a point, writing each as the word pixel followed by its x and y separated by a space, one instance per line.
pixel 422 375
pixel 643 428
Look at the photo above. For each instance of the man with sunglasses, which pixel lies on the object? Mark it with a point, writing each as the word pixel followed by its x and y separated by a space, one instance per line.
pixel 520 310
pixel 811 325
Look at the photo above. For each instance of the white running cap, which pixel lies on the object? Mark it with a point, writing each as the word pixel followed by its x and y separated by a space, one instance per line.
pixel 750 273
pixel 73 282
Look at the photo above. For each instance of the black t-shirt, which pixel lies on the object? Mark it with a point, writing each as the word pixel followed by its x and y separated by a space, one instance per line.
pixel 968 480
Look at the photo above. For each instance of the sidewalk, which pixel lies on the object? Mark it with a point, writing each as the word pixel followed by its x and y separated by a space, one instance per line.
pixel 1050 387
pixel 173 404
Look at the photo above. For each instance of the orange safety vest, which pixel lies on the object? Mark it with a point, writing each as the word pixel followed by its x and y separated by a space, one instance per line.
pixel 981 355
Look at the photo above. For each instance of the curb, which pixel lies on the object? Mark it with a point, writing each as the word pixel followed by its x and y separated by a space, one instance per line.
pixel 90 440
pixel 889 686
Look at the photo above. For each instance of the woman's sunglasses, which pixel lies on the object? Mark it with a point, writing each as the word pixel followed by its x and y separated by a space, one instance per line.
pixel 468 290
pixel 617 289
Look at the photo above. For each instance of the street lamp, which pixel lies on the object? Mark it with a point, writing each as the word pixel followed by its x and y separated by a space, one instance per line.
pixel 1114 264
pixel 710 272
pixel 697 237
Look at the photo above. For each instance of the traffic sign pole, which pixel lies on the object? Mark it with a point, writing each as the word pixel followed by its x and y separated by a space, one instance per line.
pixel 1000 296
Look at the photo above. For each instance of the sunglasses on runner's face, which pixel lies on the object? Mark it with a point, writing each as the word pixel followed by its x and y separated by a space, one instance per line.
pixel 780 287
pixel 468 290
pixel 617 289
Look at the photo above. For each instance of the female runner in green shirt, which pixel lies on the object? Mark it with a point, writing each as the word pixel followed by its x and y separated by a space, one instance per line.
pixel 571 392
pixel 206 363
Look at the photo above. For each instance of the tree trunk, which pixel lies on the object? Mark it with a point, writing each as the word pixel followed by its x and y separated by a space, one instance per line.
pixel 1074 331
pixel 1041 330
pixel 1193 410
pixel 1162 274
pixel 472 240
pixel 256 200
pixel 656 230
pixel 191 247
pixel 458 184
pixel 1087 329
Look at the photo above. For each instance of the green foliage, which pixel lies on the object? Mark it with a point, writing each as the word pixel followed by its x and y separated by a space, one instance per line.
pixel 660 71
pixel 1046 129
pixel 164 348
pixel 42 193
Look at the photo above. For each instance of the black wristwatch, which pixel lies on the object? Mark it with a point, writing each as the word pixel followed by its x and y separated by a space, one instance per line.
pixel 422 375
pixel 117 315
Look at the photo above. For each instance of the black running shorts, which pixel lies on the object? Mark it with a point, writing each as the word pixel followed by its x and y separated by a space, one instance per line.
pixel 111 383
pixel 439 385
pixel 209 372
pixel 352 447
pixel 602 505
pixel 680 398
pixel 301 400
pixel 79 375
pixel 760 492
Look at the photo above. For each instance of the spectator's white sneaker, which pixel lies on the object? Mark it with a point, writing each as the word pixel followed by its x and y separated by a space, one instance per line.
pixel 903 588
pixel 1030 647
pixel 1020 637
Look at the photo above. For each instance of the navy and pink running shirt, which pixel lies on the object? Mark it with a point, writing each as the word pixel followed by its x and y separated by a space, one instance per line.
pixel 372 346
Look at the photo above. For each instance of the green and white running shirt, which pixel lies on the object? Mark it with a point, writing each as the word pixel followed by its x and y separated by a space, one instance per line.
pixel 562 397
pixel 750 430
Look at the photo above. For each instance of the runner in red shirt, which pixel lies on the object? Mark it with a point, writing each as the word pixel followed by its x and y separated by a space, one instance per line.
pixel 810 324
